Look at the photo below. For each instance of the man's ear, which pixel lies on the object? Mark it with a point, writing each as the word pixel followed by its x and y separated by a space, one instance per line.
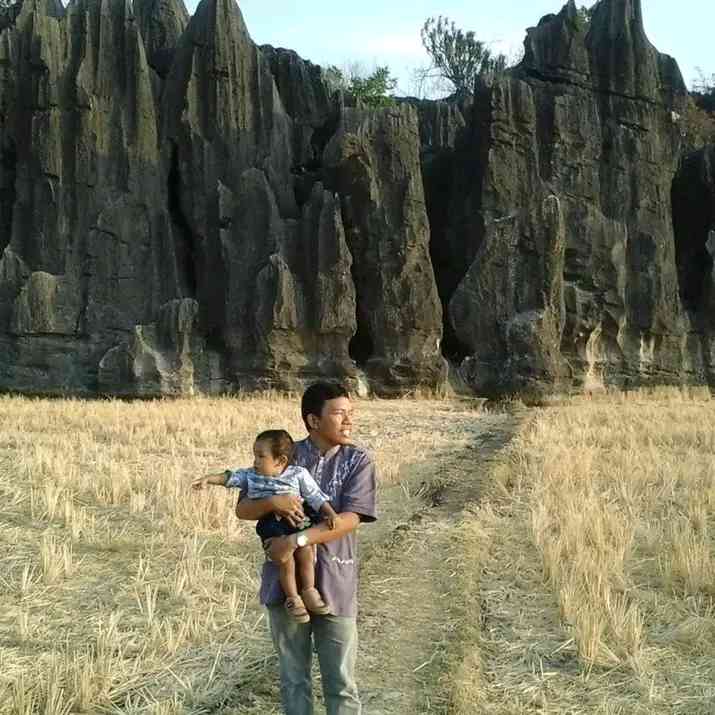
pixel 313 421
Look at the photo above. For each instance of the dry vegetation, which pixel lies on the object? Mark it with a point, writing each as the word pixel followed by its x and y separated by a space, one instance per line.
pixel 594 555
pixel 573 574
pixel 123 590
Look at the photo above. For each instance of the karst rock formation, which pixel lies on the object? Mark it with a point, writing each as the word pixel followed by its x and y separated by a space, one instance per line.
pixel 183 211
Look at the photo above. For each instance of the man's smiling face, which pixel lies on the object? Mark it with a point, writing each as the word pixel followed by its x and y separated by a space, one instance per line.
pixel 334 426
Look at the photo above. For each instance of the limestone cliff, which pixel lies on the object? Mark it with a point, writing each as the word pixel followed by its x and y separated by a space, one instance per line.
pixel 166 222
pixel 183 211
pixel 562 214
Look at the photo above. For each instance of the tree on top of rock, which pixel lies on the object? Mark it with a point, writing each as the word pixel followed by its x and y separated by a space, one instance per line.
pixel 459 56
pixel 704 91
pixel 372 90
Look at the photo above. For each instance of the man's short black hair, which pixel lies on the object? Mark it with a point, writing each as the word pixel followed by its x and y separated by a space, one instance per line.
pixel 315 397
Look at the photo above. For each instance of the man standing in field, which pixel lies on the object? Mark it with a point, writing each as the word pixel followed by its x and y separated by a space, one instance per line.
pixel 347 475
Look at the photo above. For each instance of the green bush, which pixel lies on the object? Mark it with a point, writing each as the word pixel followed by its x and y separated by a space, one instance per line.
pixel 371 90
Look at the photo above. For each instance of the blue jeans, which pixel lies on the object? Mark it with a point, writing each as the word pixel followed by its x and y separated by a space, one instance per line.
pixel 335 639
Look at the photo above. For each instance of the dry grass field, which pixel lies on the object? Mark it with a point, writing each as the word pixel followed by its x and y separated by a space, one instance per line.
pixel 125 591
pixel 593 550
pixel 567 571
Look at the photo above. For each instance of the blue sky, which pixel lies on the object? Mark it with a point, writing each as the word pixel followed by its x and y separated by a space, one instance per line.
pixel 388 31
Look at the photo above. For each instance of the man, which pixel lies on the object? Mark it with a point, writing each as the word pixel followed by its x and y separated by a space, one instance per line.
pixel 347 475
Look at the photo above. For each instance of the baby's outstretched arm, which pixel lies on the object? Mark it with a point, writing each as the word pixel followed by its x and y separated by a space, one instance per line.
pixel 218 479
pixel 331 516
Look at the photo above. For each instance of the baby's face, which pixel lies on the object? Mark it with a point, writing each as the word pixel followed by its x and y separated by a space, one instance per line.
pixel 265 463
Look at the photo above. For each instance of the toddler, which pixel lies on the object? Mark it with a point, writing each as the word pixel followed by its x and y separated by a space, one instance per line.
pixel 273 474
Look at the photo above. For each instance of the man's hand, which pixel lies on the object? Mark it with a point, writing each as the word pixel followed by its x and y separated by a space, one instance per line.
pixel 288 507
pixel 280 548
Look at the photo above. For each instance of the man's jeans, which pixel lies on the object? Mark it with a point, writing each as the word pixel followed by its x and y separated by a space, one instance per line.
pixel 336 641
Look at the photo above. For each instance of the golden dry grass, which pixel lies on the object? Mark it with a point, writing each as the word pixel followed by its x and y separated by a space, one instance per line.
pixel 123 590
pixel 578 579
pixel 593 556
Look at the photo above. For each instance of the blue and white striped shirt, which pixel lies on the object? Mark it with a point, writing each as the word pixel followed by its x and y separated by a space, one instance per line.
pixel 293 480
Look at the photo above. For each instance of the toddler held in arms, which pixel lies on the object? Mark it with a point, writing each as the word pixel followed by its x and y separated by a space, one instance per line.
pixel 272 475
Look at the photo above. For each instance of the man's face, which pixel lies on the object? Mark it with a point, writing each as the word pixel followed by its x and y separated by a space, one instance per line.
pixel 334 426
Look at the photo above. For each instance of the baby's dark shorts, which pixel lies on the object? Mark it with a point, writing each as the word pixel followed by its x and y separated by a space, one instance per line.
pixel 271 526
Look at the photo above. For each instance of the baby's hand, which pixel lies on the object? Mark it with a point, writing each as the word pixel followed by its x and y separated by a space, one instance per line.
pixel 332 521
pixel 201 482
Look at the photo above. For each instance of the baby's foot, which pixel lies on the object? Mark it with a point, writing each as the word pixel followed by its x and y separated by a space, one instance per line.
pixel 314 602
pixel 296 609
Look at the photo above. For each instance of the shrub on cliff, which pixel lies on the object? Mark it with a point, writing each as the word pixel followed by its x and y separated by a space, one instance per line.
pixel 697 126
pixel 704 92
pixel 459 56
pixel 698 122
pixel 371 90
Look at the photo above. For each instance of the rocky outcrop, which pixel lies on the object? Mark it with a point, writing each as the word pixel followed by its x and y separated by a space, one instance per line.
pixel 165 358
pixel 161 24
pixel 442 126
pixel 166 223
pixel 373 163
pixel 310 103
pixel 182 211
pixel 693 196
pixel 565 229
pixel 82 214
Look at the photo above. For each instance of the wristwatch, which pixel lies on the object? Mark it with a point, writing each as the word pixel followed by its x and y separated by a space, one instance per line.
pixel 301 540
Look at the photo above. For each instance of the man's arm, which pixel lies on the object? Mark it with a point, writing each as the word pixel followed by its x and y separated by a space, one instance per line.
pixel 287 506
pixel 280 548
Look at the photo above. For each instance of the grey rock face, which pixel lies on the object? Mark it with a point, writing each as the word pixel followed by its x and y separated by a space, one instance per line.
pixel 253 258
pixel 587 118
pixel 443 125
pixel 181 211
pixel 694 224
pixel 161 24
pixel 158 359
pixel 151 238
pixel 373 163
pixel 81 196
pixel 307 99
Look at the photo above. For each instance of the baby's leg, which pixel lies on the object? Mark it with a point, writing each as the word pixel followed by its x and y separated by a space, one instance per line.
pixel 312 599
pixel 286 574
pixel 304 559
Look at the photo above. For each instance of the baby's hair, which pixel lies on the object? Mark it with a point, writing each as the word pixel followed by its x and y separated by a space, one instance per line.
pixel 279 441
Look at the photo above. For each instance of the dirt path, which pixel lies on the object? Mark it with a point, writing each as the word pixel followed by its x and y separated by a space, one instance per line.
pixel 410 614
pixel 407 620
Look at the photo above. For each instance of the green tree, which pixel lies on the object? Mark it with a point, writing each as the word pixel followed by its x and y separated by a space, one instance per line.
pixel 697 126
pixel 372 90
pixel 704 91
pixel 459 56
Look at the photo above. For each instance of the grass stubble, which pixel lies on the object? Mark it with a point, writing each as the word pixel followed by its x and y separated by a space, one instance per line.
pixel 583 576
pixel 123 590
pixel 592 550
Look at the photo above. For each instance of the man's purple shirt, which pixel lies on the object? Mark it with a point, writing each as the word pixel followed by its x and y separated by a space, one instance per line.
pixel 347 474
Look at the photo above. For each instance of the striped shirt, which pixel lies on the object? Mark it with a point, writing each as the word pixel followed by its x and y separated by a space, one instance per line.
pixel 293 480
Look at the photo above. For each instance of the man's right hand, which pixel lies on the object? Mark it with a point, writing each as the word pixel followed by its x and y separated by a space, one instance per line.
pixel 288 507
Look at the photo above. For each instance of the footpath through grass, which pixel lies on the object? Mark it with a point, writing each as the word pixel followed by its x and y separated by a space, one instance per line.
pixel 591 561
